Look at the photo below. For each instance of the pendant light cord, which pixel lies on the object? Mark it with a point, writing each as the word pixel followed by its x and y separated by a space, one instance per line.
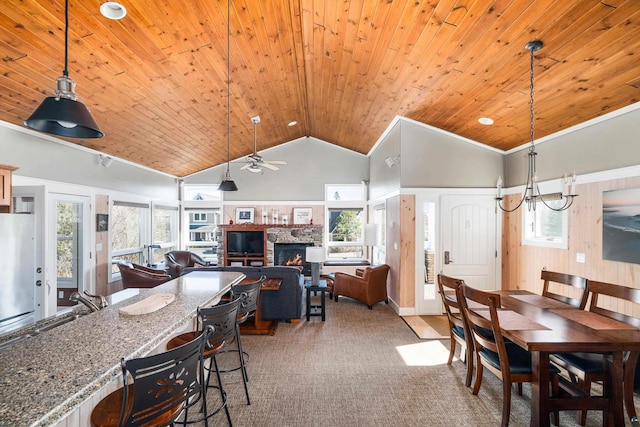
pixel 65 72
pixel 531 105
pixel 228 84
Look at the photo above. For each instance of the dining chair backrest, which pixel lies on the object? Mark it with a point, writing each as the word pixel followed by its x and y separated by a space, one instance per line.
pixel 478 324
pixel 448 287
pixel 599 289
pixel 458 329
pixel 576 288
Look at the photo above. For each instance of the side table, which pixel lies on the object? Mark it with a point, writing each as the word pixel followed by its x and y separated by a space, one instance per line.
pixel 316 310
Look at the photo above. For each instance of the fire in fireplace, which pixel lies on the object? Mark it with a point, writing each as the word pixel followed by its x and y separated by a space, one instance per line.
pixel 292 254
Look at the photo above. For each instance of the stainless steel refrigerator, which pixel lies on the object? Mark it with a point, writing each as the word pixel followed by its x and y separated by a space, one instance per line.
pixel 17 269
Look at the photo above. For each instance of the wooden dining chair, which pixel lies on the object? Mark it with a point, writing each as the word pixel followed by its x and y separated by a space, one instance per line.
pixel 507 361
pixel 458 328
pixel 576 288
pixel 587 368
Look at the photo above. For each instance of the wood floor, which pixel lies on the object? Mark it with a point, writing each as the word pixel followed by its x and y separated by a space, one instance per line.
pixel 428 327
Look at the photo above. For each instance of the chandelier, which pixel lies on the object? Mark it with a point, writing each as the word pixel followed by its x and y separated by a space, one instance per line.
pixel 532 194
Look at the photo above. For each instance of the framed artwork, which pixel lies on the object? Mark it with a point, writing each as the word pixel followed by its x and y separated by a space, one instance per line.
pixel 244 215
pixel 103 222
pixel 302 215
pixel 621 225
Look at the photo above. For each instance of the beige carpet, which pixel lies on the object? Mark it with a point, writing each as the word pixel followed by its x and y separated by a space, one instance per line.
pixel 362 368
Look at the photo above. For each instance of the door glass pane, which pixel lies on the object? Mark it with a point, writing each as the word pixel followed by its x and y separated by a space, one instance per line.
pixel 69 244
pixel 429 245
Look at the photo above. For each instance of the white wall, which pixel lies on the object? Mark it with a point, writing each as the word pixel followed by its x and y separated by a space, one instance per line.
pixel 44 157
pixel 607 143
pixel 311 163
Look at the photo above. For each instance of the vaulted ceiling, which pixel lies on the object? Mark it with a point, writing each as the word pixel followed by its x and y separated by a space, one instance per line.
pixel 156 80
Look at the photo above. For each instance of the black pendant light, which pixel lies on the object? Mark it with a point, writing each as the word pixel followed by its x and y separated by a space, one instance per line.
pixel 64 114
pixel 228 184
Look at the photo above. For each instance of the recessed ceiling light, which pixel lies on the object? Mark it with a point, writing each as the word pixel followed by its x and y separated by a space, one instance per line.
pixel 113 10
pixel 485 121
pixel 293 123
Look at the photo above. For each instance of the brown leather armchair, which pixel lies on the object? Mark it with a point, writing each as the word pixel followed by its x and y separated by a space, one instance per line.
pixel 176 261
pixel 370 288
pixel 137 276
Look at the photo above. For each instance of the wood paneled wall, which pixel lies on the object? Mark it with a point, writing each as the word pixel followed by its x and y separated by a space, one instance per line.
pixel 103 263
pixel 400 247
pixel 521 265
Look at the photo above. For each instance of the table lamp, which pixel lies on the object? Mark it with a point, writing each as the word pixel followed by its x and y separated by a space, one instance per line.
pixel 314 255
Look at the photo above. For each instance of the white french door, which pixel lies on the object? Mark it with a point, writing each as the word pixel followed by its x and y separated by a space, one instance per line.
pixel 69 250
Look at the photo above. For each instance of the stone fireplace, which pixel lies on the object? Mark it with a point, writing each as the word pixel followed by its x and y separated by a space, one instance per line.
pixel 307 235
pixel 293 254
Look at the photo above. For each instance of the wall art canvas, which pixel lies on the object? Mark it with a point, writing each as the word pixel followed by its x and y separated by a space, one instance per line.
pixel 621 225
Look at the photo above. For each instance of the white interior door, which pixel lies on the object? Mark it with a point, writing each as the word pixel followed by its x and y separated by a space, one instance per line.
pixel 468 224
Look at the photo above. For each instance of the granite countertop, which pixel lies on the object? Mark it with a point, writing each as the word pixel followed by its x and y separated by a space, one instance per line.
pixel 47 376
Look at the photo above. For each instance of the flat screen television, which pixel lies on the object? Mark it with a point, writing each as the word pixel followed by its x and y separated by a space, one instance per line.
pixel 245 243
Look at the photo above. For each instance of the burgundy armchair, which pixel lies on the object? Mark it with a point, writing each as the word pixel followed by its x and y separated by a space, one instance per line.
pixel 137 276
pixel 369 288
pixel 176 261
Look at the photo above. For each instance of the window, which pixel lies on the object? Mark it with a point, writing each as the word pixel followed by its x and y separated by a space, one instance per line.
pixel 546 227
pixel 204 193
pixel 165 232
pixel 129 231
pixel 201 234
pixel 345 221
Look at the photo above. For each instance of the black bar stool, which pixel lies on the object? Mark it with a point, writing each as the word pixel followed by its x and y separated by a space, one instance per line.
pixel 248 294
pixel 222 318
pixel 164 386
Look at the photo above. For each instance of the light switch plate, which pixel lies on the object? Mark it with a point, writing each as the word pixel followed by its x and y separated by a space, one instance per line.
pixel 580 257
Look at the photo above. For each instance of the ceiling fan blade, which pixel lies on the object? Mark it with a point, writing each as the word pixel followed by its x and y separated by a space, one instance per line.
pixel 245 166
pixel 277 162
pixel 270 166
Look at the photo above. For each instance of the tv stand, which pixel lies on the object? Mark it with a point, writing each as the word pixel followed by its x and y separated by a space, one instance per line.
pixel 245 259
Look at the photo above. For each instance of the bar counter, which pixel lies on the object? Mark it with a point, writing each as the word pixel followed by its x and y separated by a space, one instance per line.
pixel 45 378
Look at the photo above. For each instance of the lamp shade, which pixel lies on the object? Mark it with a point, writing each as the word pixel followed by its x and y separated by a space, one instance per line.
pixel 64 117
pixel 314 254
pixel 228 185
pixel 371 234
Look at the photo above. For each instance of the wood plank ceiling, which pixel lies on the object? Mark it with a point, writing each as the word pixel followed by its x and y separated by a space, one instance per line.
pixel 156 81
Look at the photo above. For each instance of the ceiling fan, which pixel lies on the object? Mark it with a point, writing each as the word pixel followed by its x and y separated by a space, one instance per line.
pixel 255 162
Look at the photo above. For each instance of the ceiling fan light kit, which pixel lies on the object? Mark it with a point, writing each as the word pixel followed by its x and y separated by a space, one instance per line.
pixel 532 194
pixel 64 114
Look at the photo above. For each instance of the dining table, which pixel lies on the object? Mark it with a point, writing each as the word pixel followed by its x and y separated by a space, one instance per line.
pixel 544 326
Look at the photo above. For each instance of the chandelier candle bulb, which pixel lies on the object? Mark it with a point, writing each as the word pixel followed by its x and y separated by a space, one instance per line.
pixel 499 186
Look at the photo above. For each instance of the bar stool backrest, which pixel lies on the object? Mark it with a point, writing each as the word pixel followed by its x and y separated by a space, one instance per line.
pixel 248 294
pixel 163 384
pixel 222 318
